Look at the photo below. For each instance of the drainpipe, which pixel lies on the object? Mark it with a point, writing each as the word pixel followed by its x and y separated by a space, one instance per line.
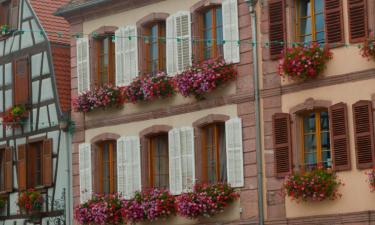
pixel 69 197
pixel 252 5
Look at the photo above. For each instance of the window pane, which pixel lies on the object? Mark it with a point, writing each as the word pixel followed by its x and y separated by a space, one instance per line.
pixel 106 177
pixel 219 15
pixel 325 140
pixel 309 123
pixel 320 37
pixel 305 8
pixel 160 161
pixel 327 159
pixel 318 5
pixel 324 123
pixel 319 22
pixel 305 26
pixel 310 143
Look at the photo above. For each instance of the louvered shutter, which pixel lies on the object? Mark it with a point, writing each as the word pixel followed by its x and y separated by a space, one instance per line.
pixel 85 176
pixel 14 14
pixel 338 119
pixel 183 38
pixel 334 22
pixel 8 170
pixel 175 167
pixel 130 54
pixel 21 81
pixel 282 144
pixel 277 27
pixel 83 64
pixel 171 50
pixel 120 57
pixel 358 24
pixel 187 158
pixel 121 143
pixel 230 31
pixel 364 134
pixel 21 167
pixel 233 140
pixel 47 168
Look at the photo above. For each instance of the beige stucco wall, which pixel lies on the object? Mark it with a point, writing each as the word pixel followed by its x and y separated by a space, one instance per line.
pixel 356 195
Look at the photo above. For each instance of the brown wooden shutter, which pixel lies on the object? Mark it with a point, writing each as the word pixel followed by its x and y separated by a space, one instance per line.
pixel 21 81
pixel 21 167
pixel 364 134
pixel 282 144
pixel 358 26
pixel 338 123
pixel 143 50
pixel 14 14
pixel 197 34
pixel 94 61
pixel 8 170
pixel 334 22
pixel 277 27
pixel 47 168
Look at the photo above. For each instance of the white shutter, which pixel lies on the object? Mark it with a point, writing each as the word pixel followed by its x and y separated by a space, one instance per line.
pixel 83 64
pixel 120 54
pixel 230 31
pixel 175 172
pixel 121 165
pixel 130 53
pixel 183 39
pixel 233 136
pixel 129 166
pixel 85 176
pixel 171 46
pixel 187 158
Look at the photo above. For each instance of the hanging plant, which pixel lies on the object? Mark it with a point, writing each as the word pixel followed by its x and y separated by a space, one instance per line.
pixel 368 48
pixel 371 179
pixel 30 201
pixel 4 29
pixel 202 78
pixel 205 200
pixel 304 62
pixel 16 116
pixel 150 87
pixel 317 185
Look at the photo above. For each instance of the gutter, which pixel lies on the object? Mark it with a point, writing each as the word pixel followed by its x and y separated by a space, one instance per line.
pixel 72 8
pixel 252 4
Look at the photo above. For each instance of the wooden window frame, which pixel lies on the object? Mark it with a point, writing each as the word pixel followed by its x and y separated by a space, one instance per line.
pixel 111 71
pixel 298 18
pixel 31 161
pixel 216 137
pixel 161 47
pixel 100 165
pixel 317 133
pixel 214 52
pixel 150 157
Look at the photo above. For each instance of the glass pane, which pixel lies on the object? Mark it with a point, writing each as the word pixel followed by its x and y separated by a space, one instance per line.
pixel 325 140
pixel 219 17
pixel 309 123
pixel 160 162
pixel 211 155
pixel 318 5
pixel 320 37
pixel 208 19
pixel 327 159
pixel 310 159
pixel 310 143
pixel 319 22
pixel 105 169
pixel 305 8
pixel 324 122
pixel 305 28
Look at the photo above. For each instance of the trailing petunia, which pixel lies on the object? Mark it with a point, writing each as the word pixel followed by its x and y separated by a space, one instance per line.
pixel 368 48
pixel 318 185
pixel 304 62
pixel 371 179
pixel 16 116
pixel 202 78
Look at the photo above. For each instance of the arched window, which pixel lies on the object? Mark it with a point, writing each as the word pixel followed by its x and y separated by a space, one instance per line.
pixel 106 168
pixel 158 161
pixel 212 32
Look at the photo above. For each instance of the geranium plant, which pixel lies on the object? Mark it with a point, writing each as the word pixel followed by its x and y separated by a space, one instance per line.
pixel 202 78
pixel 30 201
pixel 150 87
pixel 205 200
pixel 318 185
pixel 371 179
pixel 368 48
pixel 304 62
pixel 16 116
pixel 101 97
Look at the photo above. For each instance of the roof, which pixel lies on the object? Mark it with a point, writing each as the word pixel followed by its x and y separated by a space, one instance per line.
pixel 57 28
pixel 75 5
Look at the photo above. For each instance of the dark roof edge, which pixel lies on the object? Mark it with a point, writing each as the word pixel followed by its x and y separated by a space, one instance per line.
pixel 71 8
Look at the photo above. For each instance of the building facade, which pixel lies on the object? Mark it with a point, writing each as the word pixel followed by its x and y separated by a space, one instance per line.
pixel 34 79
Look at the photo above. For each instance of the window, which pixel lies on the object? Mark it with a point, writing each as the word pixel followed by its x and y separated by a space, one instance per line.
pixel 214 162
pixel 158 161
pixel 212 33
pixel 21 81
pixel 5 13
pixel 106 61
pixel 310 25
pixel 106 167
pixel 34 164
pixel 316 139
pixel 155 50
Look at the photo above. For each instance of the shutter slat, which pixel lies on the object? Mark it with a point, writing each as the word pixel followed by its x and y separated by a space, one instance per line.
pixel 21 81
pixel 130 46
pixel 277 27
pixel 14 14
pixel 282 144
pixel 119 49
pixel 334 22
pixel 85 176
pixel 120 148
pixel 364 134
pixel 182 22
pixel 83 64
pixel 175 170
pixel 47 168
pixel 21 167
pixel 358 20
pixel 171 46
pixel 8 170
pixel 187 158
pixel 338 118
pixel 230 31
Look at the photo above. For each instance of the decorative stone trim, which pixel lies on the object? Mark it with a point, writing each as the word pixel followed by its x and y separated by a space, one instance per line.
pixel 153 130
pixel 212 118
pixel 203 4
pixel 104 137
pixel 310 104
pixel 105 30
pixel 152 18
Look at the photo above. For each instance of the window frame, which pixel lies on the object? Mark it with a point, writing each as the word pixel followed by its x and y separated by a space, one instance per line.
pixel 150 157
pixel 214 52
pixel 31 162
pixel 111 54
pixel 112 165
pixel 161 46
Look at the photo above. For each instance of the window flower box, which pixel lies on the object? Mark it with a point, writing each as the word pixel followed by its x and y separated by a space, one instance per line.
pixel 16 116
pixel 368 48
pixel 30 201
pixel 304 62
pixel 371 179
pixel 318 185
pixel 202 78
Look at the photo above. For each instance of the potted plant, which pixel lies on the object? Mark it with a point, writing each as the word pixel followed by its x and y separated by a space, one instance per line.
pixel 16 116
pixel 317 185
pixel 4 29
pixel 304 62
pixel 30 201
pixel 368 48
pixel 371 179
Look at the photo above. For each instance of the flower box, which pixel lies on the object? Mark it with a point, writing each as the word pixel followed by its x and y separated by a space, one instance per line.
pixel 304 62
pixel 317 185
pixel 16 116
pixel 30 201
pixel 371 179
pixel 368 48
